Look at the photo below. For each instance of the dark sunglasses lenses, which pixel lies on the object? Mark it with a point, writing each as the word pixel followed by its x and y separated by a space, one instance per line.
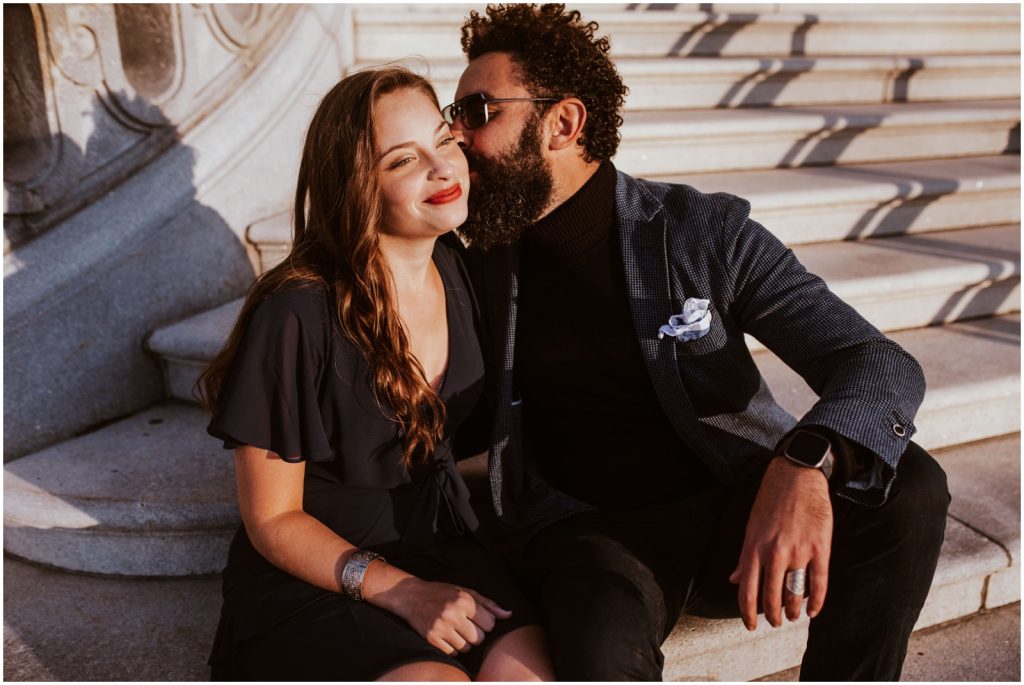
pixel 472 109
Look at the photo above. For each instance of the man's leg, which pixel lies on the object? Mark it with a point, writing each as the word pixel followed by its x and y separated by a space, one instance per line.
pixel 612 588
pixel 883 561
pixel 881 568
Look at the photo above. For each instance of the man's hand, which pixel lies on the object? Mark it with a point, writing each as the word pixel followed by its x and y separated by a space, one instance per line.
pixel 790 527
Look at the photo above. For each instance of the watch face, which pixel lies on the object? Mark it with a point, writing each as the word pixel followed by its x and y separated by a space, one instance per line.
pixel 807 448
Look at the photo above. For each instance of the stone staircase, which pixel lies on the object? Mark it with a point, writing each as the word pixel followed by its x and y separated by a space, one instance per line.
pixel 881 142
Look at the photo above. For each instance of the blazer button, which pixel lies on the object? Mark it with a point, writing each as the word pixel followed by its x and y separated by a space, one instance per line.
pixel 899 430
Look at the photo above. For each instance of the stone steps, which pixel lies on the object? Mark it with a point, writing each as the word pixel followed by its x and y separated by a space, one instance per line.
pixel 922 280
pixel 702 141
pixel 186 347
pixel 382 34
pixel 150 495
pixel 154 495
pixel 919 265
pixel 978 569
pixel 817 204
pixel 729 82
pixel 973 374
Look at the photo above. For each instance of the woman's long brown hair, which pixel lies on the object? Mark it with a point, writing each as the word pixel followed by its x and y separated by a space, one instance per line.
pixel 338 210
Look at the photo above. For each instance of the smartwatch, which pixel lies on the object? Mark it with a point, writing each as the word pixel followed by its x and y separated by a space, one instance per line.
pixel 810 450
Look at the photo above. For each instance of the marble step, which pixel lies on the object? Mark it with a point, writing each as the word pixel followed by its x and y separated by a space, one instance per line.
pixel 384 33
pixel 818 204
pixel 922 280
pixel 150 495
pixel 186 347
pixel 660 83
pixel 973 373
pixel 703 141
pixel 979 569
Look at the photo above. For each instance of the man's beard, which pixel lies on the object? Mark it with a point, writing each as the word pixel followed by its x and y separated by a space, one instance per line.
pixel 508 193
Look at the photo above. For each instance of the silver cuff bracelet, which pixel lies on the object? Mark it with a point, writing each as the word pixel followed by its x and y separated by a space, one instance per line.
pixel 352 574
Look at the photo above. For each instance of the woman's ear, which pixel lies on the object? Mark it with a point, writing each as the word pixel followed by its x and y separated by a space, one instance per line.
pixel 567 118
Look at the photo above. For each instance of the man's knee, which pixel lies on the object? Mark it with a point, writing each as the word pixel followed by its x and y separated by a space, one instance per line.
pixel 605 613
pixel 602 629
pixel 912 521
pixel 920 497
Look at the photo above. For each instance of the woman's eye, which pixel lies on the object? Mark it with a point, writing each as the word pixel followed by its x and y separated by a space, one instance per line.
pixel 400 163
pixel 446 141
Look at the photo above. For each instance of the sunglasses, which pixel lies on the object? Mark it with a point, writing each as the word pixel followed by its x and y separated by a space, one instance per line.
pixel 473 111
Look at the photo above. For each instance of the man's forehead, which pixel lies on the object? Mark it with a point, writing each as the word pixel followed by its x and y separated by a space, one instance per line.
pixel 493 74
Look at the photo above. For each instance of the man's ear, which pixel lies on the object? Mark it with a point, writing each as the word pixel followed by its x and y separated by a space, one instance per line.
pixel 567 119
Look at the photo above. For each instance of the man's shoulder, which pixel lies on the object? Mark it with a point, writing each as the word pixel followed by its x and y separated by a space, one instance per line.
pixel 639 198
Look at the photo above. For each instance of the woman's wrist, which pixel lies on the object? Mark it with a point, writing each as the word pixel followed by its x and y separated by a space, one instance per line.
pixel 384 584
pixel 353 572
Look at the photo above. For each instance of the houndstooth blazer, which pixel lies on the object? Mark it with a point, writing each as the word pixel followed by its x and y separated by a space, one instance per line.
pixel 679 243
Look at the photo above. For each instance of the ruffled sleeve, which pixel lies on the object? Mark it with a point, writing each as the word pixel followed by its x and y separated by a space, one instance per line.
pixel 270 396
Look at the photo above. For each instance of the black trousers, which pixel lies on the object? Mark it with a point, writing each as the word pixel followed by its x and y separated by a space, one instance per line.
pixel 612 585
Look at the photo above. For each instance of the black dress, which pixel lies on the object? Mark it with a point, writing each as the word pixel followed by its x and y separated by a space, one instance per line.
pixel 299 388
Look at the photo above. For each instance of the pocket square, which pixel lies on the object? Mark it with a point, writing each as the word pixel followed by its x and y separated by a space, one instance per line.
pixel 694 322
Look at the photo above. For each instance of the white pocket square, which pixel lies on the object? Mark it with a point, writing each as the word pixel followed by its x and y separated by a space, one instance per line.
pixel 694 322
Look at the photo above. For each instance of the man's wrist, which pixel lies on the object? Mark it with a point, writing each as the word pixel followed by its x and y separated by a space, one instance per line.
pixel 808 449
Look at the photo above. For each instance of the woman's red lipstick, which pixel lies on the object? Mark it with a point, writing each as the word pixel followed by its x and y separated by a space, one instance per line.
pixel 445 196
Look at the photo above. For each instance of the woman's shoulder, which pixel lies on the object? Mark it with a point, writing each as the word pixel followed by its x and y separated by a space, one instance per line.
pixel 294 309
pixel 304 301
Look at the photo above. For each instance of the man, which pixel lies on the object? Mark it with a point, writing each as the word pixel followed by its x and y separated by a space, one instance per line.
pixel 644 455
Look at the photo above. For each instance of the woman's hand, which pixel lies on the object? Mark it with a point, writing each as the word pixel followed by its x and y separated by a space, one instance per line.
pixel 451 618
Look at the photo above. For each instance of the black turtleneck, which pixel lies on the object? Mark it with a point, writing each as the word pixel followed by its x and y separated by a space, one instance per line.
pixel 592 419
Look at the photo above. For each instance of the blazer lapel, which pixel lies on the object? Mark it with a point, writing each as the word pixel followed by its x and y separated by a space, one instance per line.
pixel 642 232
pixel 503 292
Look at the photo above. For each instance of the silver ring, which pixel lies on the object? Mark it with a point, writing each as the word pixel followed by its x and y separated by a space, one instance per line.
pixel 795 581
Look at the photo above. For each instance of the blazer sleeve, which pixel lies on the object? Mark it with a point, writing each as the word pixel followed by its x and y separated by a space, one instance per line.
pixel 869 387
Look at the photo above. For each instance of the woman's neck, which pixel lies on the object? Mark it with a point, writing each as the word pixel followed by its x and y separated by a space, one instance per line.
pixel 410 260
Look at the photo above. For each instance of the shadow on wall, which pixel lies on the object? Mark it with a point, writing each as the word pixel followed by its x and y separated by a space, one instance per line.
pixel 80 298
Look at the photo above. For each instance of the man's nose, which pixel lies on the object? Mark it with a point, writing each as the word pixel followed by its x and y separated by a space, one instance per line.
pixel 463 136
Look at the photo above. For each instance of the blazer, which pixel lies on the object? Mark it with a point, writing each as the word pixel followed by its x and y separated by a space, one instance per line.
pixel 679 243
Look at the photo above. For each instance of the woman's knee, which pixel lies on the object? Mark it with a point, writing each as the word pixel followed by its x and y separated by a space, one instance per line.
pixel 425 671
pixel 521 656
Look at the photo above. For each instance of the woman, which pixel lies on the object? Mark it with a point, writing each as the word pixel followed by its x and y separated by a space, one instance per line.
pixel 351 365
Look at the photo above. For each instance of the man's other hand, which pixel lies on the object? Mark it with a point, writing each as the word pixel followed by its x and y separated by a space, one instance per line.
pixel 790 527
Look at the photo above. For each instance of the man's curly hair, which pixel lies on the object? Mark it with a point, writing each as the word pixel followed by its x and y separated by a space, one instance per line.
pixel 557 56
